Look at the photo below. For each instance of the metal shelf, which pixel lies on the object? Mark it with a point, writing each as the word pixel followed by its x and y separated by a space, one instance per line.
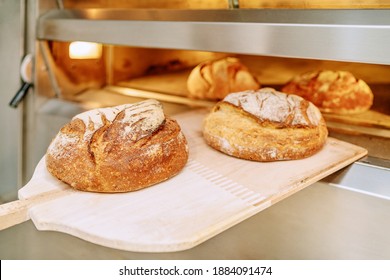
pixel 342 35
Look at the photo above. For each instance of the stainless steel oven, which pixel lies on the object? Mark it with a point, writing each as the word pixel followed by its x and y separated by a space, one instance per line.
pixel 146 49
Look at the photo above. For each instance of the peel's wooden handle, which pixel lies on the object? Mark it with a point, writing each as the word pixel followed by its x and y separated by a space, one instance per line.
pixel 16 212
pixel 13 213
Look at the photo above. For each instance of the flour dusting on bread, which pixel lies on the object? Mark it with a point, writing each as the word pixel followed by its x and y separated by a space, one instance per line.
pixel 58 147
pixel 336 92
pixel 95 119
pixel 268 104
pixel 143 119
pixel 213 80
pixel 265 125
pixel 118 149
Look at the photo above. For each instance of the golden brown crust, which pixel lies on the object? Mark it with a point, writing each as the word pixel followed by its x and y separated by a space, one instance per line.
pixel 231 129
pixel 214 80
pixel 337 92
pixel 109 162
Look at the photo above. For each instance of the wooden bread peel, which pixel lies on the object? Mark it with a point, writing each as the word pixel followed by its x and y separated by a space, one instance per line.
pixel 211 194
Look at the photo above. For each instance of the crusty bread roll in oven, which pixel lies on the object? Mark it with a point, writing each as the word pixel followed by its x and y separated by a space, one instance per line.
pixel 337 92
pixel 213 80
pixel 118 149
pixel 265 125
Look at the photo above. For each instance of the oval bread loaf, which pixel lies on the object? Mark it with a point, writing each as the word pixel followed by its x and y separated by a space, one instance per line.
pixel 213 80
pixel 265 125
pixel 337 92
pixel 118 149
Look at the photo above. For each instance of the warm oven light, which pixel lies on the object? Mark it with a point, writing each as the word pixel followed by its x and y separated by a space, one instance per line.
pixel 85 50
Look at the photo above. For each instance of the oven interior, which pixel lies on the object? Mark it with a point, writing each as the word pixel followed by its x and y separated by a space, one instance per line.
pixel 75 75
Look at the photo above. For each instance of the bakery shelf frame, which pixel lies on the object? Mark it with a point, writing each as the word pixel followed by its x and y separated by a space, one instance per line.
pixel 342 35
pixel 345 35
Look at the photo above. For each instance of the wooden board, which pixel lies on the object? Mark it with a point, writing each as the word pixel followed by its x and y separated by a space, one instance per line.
pixel 368 119
pixel 211 194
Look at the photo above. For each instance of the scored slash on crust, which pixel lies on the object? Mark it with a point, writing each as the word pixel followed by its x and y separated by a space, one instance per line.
pixel 133 147
pixel 265 125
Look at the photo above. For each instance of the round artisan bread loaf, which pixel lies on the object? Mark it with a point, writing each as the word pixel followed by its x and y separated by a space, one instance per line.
pixel 213 80
pixel 118 149
pixel 265 125
pixel 337 92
